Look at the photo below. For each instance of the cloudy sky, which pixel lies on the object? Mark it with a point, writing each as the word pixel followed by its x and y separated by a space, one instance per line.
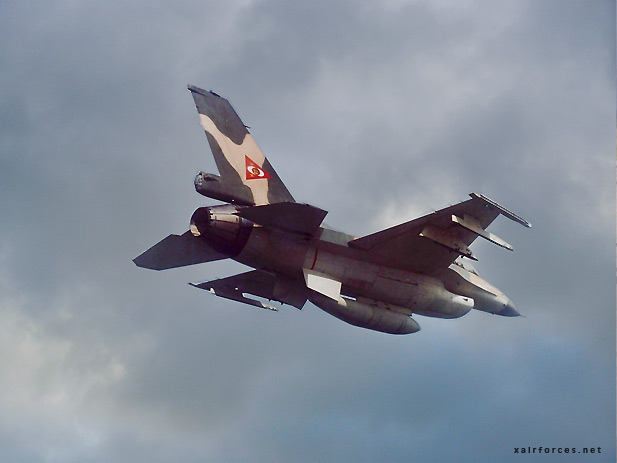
pixel 377 112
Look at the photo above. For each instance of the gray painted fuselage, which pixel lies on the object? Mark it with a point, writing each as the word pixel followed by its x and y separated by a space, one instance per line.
pixel 449 294
pixel 377 281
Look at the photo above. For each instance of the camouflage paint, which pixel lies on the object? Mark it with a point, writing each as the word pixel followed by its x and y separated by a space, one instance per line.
pixel 376 281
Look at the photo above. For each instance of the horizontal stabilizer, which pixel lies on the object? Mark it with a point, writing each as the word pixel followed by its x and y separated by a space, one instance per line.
pixel 177 251
pixel 273 287
pixel 323 284
pixel 294 217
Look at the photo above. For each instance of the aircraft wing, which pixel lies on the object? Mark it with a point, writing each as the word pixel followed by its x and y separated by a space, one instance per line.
pixel 432 242
pixel 258 283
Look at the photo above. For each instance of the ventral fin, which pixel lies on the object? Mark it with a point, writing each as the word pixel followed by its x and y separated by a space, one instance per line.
pixel 323 284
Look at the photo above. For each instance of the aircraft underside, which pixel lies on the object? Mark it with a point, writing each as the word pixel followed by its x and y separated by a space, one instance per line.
pixel 377 282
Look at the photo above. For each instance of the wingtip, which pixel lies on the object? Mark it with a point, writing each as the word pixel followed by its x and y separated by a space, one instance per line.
pixel 509 214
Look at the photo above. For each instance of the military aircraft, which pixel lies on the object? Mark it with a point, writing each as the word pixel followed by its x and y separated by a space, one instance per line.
pixel 377 281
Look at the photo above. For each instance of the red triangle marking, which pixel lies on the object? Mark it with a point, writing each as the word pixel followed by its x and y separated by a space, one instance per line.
pixel 253 171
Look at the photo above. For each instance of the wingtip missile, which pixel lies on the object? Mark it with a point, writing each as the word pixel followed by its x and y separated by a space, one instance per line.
pixel 376 282
pixel 502 210
pixel 232 294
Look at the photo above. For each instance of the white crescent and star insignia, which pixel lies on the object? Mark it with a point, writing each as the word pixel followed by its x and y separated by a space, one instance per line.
pixel 253 171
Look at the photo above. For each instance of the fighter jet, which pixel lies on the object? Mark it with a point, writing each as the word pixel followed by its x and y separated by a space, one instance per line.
pixel 376 281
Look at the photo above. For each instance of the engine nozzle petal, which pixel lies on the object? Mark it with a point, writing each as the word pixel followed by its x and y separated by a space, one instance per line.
pixel 221 228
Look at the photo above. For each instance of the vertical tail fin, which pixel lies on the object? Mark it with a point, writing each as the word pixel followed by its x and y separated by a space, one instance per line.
pixel 245 173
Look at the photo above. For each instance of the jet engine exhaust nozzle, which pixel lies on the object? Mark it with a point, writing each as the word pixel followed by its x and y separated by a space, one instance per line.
pixel 221 228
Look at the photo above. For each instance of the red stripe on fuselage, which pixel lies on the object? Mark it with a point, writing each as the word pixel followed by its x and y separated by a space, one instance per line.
pixel 314 259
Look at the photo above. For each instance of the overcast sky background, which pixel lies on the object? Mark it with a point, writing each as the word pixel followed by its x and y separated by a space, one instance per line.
pixel 375 111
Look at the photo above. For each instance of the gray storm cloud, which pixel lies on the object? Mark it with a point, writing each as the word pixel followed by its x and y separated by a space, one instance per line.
pixel 376 113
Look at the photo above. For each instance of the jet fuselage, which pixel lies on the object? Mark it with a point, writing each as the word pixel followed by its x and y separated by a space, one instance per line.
pixel 376 281
pixel 449 294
